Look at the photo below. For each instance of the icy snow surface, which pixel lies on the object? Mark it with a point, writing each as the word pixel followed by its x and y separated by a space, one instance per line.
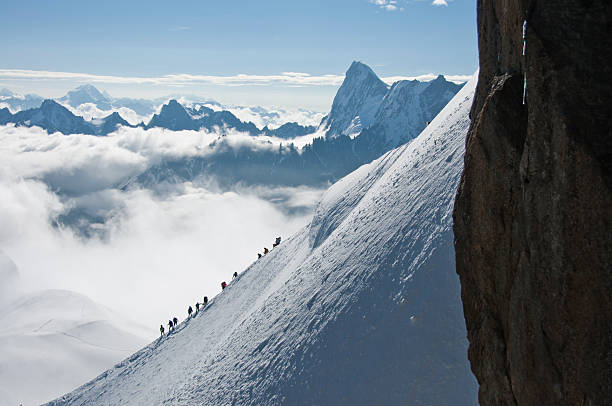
pixel 360 307
pixel 52 339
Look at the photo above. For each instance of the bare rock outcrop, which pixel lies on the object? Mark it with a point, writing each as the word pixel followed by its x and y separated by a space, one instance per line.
pixel 533 213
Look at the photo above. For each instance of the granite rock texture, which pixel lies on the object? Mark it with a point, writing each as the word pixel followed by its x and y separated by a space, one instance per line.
pixel 533 213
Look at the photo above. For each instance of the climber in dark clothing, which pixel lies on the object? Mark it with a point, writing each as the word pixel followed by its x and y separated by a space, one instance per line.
pixel 259 255
pixel 205 301
pixel 277 242
pixel 174 322
pixel 197 307
pixel 189 311
pixel 235 275
pixel 170 326
pixel 265 251
pixel 223 285
pixel 161 329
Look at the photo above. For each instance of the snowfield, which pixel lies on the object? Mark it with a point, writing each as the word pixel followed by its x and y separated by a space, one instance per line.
pixel 360 307
pixel 52 339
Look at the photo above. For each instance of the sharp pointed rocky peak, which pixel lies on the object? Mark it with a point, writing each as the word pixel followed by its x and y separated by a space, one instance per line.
pixel 440 78
pixel 115 118
pixel 114 115
pixel 360 72
pixel 173 104
pixel 359 68
pixel 440 84
pixel 356 102
pixel 173 107
pixel 173 116
pixel 49 105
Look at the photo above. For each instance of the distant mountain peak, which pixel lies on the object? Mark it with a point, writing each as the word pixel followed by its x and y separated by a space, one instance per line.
pixel 90 90
pixel 113 115
pixel 356 102
pixel 115 118
pixel 173 107
pixel 360 72
pixel 86 94
pixel 358 67
pixel 6 92
pixel 173 116
pixel 88 87
pixel 50 104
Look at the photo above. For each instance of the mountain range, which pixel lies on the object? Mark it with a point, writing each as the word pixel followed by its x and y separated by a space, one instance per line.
pixel 367 119
pixel 52 116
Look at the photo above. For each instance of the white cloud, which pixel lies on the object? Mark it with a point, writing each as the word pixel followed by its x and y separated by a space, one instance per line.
pixel 90 111
pixel 439 3
pixel 162 251
pixel 287 78
pixel 284 79
pixel 389 5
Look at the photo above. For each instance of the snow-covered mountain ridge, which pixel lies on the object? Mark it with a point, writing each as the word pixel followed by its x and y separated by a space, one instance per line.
pixel 360 307
pixel 90 103
pixel 55 117
pixel 366 106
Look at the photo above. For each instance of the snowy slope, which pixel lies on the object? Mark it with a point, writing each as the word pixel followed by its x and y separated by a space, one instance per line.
pixel 360 307
pixel 9 275
pixel 409 105
pixel 51 340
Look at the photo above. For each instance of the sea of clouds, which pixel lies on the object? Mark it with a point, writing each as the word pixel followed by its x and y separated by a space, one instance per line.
pixel 150 253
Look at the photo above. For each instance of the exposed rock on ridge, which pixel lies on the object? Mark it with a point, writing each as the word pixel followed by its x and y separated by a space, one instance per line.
pixel 532 216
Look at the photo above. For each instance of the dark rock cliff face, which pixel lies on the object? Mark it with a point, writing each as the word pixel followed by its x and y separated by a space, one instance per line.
pixel 532 217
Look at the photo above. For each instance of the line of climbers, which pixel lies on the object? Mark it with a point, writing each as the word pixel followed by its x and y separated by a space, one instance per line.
pixel 276 243
pixel 172 323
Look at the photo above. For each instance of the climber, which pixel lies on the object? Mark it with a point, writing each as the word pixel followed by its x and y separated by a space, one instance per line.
pixel 265 251
pixel 259 255
pixel 174 322
pixel 189 311
pixel 205 301
pixel 197 307
pixel 161 330
pixel 277 242
pixel 223 285
pixel 235 275
pixel 170 326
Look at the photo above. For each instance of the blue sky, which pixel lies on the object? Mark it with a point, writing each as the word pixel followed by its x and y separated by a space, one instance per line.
pixel 119 42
